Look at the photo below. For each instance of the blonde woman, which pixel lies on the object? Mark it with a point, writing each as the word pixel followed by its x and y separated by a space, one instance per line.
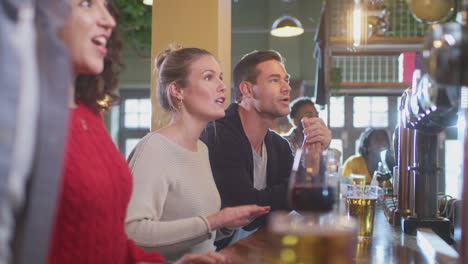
pixel 175 205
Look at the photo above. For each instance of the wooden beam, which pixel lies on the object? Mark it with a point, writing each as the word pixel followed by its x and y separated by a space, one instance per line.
pixel 374 84
pixel 381 40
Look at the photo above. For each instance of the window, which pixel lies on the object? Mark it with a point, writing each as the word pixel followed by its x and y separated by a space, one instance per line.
pixel 453 164
pixel 370 111
pixel 337 144
pixel 137 113
pixel 134 118
pixel 337 113
pixel 130 144
pixel 398 109
pixel 356 145
pixel 354 113
pixel 337 116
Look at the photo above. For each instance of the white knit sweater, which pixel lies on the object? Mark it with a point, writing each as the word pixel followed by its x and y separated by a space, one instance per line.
pixel 173 192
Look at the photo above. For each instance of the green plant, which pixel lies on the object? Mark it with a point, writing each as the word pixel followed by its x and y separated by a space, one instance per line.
pixel 336 77
pixel 135 25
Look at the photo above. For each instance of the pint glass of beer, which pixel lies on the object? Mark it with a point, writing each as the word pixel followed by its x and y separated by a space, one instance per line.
pixel 361 200
pixel 312 238
pixel 357 179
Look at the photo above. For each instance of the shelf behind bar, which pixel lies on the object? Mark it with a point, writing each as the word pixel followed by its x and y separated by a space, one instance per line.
pixel 371 88
pixel 377 46
pixel 374 84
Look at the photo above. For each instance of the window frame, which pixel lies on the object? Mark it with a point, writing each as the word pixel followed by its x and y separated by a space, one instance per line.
pixel 349 134
pixel 128 133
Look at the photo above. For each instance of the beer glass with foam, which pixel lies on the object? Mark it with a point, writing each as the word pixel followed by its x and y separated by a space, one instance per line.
pixel 312 238
pixel 361 202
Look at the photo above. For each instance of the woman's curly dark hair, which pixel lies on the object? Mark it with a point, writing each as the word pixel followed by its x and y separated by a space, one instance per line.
pixel 100 91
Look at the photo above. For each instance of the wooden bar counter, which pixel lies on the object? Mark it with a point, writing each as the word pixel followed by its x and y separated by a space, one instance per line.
pixel 388 245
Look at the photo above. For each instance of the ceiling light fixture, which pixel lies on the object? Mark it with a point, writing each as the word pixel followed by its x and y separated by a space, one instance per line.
pixel 357 25
pixel 366 19
pixel 286 26
pixel 432 11
pixel 148 2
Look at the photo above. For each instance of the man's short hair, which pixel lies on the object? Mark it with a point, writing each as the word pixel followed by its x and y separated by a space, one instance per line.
pixel 245 70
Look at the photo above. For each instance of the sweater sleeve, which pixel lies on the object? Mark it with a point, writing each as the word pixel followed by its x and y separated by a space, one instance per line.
pixel 136 254
pixel 143 223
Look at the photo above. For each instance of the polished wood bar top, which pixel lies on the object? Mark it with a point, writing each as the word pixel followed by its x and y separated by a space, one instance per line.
pixel 388 245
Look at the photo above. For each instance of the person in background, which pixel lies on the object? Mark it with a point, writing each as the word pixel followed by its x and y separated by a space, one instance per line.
pixel 251 163
pixel 371 143
pixel 96 182
pixel 175 205
pixel 32 131
pixel 300 107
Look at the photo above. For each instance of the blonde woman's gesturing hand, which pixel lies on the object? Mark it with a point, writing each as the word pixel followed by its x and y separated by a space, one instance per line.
pixel 238 216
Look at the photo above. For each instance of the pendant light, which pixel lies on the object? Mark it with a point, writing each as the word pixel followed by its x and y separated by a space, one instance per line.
pixel 148 2
pixel 432 11
pixel 357 25
pixel 286 26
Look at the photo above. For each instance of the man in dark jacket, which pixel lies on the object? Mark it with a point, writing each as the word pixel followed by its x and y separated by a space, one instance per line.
pixel 251 163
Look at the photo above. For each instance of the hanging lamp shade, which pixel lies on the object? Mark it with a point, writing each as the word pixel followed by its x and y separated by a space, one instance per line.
pixel 286 26
pixel 431 11
pixel 148 2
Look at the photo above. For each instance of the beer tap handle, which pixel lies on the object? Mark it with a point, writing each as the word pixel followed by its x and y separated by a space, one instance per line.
pixel 412 189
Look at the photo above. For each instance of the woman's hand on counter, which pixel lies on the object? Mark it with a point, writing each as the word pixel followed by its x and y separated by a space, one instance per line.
pixel 238 216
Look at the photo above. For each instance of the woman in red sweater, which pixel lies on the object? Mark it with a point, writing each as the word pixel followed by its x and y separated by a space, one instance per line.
pixel 96 184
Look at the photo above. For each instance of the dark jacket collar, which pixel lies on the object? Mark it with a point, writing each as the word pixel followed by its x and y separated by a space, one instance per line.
pixel 232 113
pixel 233 118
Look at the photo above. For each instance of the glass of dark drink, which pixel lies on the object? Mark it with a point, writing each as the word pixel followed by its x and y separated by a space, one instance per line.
pixel 309 186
